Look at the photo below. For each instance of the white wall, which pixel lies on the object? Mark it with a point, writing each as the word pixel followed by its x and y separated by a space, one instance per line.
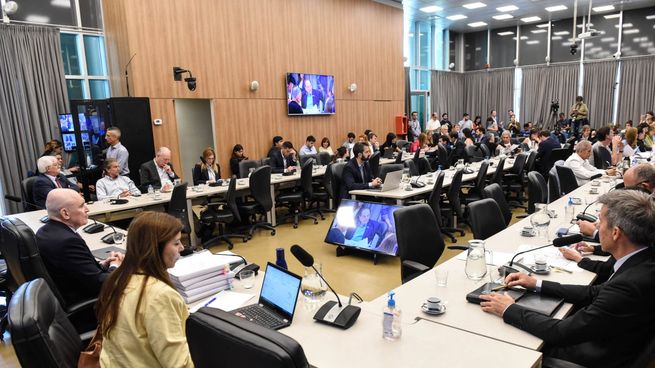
pixel 194 128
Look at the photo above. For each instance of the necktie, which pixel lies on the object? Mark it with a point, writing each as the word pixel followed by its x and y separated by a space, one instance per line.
pixel 58 182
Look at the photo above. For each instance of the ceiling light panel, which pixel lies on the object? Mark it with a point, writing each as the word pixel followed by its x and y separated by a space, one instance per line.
pixel 611 16
pixel 477 24
pixel 539 31
pixel 530 19
pixel 508 33
pixel 431 9
pixel 507 8
pixel 556 8
pixel 503 16
pixel 475 5
pixel 456 17
pixel 605 8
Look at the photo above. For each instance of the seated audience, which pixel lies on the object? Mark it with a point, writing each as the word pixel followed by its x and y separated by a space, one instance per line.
pixel 373 140
pixel 117 150
pixel 505 147
pixel 357 173
pixel 642 132
pixel 531 143
pixel 420 144
pixel 608 153
pixel 52 148
pixel 468 137
pixel 525 132
pixel 390 142
pixel 341 155
pixel 284 160
pixel 443 130
pixel 349 143
pixel 579 163
pixel 72 267
pixel 141 317
pixel 308 148
pixel 445 121
pixel 615 321
pixel 207 170
pixel 114 185
pixel 237 156
pixel 546 145
pixel 277 146
pixel 158 172
pixel 458 148
pixel 49 178
pixel 585 134
pixel 325 146
pixel 433 125
pixel 630 142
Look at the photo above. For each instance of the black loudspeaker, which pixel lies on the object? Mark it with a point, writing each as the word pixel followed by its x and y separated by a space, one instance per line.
pixel 132 116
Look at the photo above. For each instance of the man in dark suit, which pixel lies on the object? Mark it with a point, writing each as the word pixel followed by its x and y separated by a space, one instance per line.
pixel 276 147
pixel 49 178
pixel 294 104
pixel 616 319
pixel 158 172
pixel 311 98
pixel 74 270
pixel 357 174
pixel 284 160
pixel 546 146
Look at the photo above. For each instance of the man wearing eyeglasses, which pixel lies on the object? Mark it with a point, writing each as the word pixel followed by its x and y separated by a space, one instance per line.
pixel 49 178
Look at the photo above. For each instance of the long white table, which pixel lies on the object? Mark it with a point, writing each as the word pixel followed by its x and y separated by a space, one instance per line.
pixel 470 317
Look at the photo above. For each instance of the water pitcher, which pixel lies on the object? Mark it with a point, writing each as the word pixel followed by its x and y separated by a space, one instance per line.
pixel 476 263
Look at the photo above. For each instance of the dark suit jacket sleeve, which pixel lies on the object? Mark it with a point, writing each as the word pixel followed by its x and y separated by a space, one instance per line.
pixel 91 276
pixel 40 190
pixel 602 268
pixel 199 176
pixel 148 177
pixel 69 184
pixel 351 179
pixel 277 165
pixel 602 317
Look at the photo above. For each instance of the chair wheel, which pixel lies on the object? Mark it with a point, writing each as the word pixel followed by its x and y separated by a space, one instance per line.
pixel 295 226
pixel 315 222
pixel 230 246
pixel 245 240
pixel 273 233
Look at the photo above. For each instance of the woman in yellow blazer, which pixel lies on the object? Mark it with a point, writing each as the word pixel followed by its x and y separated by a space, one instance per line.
pixel 140 314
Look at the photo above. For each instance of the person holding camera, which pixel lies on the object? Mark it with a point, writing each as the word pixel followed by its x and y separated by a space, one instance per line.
pixel 579 114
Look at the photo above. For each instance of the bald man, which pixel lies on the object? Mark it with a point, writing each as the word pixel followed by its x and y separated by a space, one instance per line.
pixel 158 172
pixel 67 258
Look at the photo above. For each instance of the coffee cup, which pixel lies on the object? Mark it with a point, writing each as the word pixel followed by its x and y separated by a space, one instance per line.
pixel 434 304
pixel 540 262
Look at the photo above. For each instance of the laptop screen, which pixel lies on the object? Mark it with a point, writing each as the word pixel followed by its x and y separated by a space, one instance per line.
pixel 280 289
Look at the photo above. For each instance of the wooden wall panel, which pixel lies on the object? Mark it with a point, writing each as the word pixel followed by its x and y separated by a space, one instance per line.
pixel 166 134
pixel 227 44
pixel 117 44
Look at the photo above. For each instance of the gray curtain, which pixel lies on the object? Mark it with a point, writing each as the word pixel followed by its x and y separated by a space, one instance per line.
pixel 32 93
pixel 447 92
pixel 542 84
pixel 599 78
pixel 489 90
pixel 408 93
pixel 637 91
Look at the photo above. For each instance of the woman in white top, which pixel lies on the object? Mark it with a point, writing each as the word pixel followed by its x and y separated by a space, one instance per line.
pixel 325 146
pixel 630 142
pixel 432 126
pixel 141 316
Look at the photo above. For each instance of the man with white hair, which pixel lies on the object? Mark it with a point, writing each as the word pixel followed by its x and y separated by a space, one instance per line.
pixel 70 263
pixel 49 178
pixel 117 150
pixel 579 163
pixel 158 172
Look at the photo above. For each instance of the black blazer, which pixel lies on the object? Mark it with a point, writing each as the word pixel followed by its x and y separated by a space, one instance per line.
pixel 277 162
pixel 372 228
pixel 200 175
pixel 150 176
pixel 43 185
pixel 543 153
pixel 614 325
pixel 352 178
pixel 69 262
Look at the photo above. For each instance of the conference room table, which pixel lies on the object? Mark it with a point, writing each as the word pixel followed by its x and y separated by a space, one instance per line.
pixel 400 194
pixel 469 317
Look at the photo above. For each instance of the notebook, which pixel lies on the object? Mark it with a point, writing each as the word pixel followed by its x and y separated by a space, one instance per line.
pixel 536 302
pixel 391 182
pixel 277 299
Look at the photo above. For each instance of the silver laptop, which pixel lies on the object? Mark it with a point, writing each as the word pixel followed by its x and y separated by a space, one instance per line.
pixel 391 181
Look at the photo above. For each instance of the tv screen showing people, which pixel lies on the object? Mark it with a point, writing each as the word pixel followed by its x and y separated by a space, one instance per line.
pixel 66 123
pixel 69 141
pixel 310 94
pixel 366 226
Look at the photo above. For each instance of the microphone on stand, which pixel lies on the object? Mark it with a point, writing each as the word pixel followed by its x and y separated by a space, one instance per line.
pixel 331 313
pixel 558 243
pixel 109 238
pixel 93 228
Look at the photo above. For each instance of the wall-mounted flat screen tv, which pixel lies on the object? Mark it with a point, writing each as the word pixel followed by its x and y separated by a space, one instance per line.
pixel 70 145
pixel 310 94
pixel 66 123
pixel 365 226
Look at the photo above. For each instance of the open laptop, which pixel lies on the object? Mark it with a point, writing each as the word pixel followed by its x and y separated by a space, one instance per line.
pixel 391 181
pixel 388 152
pixel 277 299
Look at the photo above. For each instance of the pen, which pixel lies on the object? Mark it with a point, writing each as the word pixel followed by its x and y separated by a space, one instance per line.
pixel 561 269
pixel 211 301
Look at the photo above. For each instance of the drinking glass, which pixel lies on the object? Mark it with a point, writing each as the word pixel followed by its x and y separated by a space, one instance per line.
pixel 540 220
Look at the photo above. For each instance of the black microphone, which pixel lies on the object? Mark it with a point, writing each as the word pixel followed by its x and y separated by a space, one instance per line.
pixel 12 198
pixel 584 216
pixel 109 238
pixel 330 313
pixel 127 78
pixel 93 228
pixel 558 243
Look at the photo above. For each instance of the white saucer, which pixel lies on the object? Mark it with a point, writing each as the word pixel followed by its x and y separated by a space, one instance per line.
pixel 425 309
pixel 538 272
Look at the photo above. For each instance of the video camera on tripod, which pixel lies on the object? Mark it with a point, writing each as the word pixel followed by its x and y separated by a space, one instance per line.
pixel 554 105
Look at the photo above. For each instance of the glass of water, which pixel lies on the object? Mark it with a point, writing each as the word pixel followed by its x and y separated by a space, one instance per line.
pixel 312 286
pixel 540 220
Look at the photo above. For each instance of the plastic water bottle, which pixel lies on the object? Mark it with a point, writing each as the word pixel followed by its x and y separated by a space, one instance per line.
pixel 438 170
pixel 569 210
pixel 391 318
pixel 151 190
pixel 279 260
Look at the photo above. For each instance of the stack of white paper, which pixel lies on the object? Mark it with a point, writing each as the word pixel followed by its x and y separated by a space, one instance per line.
pixel 200 275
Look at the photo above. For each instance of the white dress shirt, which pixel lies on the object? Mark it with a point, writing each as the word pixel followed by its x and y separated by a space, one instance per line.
pixel 107 187
pixel 304 150
pixel 163 175
pixel 119 152
pixel 582 169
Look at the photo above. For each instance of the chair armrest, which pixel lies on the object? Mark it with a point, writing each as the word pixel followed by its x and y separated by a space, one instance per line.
pixel 415 265
pixel 550 362
pixel 81 306
pixel 458 247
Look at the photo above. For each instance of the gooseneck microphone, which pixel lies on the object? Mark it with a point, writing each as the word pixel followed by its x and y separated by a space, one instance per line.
pixel 93 228
pixel 331 313
pixel 12 198
pixel 558 243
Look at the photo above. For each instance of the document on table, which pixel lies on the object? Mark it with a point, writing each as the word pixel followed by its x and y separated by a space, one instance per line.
pixel 226 300
pixel 553 255
pixel 494 258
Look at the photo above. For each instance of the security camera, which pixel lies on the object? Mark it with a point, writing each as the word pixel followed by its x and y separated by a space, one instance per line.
pixel 10 7
pixel 574 49
pixel 191 83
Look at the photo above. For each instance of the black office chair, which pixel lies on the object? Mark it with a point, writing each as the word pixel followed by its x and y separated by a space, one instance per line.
pixel 554 192
pixel 513 180
pixel 384 169
pixel 217 336
pixel 485 219
pixel 294 199
pixel 474 153
pixel 419 240
pixel 323 158
pixel 434 201
pixel 455 211
pixel 374 164
pixel 498 174
pixel 27 193
pixel 177 208
pixel 495 192
pixel 413 169
pixel 229 214
pixel 602 157
pixel 41 334
pixel 402 144
pixel 335 183
pixel 305 158
pixel 537 190
pixel 18 246
pixel 260 191
pixel 475 190
pixel 265 161
pixel 245 166
pixel 567 180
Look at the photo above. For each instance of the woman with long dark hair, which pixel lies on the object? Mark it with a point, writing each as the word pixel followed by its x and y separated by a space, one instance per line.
pixel 207 170
pixel 141 317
